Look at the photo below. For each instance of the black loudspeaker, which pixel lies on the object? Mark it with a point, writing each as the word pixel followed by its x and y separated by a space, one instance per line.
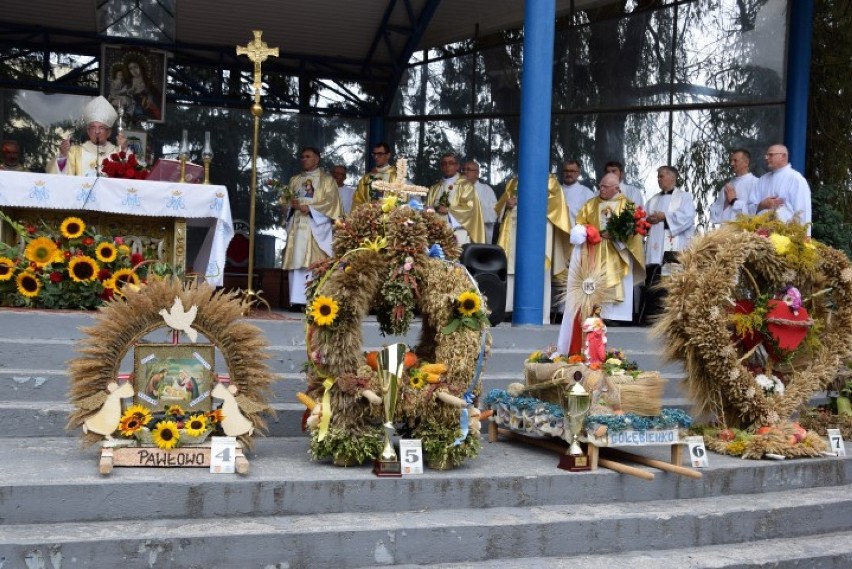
pixel 487 264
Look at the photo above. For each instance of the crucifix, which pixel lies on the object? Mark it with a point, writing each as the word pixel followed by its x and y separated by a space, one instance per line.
pixel 258 52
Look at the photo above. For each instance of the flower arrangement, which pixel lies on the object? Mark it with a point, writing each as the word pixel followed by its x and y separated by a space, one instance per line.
pixel 468 312
pixel 283 190
pixel 616 363
pixel 549 355
pixel 170 428
pixel 72 266
pixel 627 223
pixel 124 165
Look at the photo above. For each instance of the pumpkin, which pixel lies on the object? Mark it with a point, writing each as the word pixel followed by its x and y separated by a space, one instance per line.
pixel 410 359
pixel 373 360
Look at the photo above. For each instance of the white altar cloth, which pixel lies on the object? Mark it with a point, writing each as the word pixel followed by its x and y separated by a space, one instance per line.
pixel 201 205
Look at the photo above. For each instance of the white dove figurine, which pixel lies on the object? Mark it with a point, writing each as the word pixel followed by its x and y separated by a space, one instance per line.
pixel 181 320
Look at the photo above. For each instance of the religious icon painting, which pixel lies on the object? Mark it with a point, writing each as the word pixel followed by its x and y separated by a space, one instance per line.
pixel 133 79
pixel 174 374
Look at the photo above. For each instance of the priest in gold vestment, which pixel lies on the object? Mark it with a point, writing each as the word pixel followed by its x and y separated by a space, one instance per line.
pixel 558 246
pixel 382 170
pixel 624 262
pixel 455 199
pixel 313 206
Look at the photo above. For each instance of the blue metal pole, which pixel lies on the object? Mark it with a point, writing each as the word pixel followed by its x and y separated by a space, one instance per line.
pixel 534 158
pixel 798 78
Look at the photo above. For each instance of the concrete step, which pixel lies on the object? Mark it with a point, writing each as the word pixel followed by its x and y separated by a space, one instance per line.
pixel 54 480
pixel 436 535
pixel 827 551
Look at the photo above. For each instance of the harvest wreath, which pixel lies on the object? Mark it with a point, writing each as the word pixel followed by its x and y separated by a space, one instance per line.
pixel 761 317
pixel 99 391
pixel 395 258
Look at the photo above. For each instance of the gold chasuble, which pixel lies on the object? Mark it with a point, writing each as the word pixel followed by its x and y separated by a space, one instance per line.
pixel 557 214
pixel 607 254
pixel 362 192
pixel 461 199
pixel 309 237
pixel 84 160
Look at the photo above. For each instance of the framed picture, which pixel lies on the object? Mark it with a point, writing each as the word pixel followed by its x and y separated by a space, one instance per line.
pixel 134 81
pixel 137 142
pixel 174 374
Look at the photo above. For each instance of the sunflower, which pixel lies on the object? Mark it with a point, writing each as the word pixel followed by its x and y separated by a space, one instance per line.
pixel 166 434
pixel 469 303
pixel 417 379
pixel 28 284
pixel 72 227
pixel 196 425
pixel 216 416
pixel 106 252
pixel 129 425
pixel 41 251
pixel 324 310
pixel 124 276
pixel 140 412
pixel 83 269
pixel 174 410
pixel 7 268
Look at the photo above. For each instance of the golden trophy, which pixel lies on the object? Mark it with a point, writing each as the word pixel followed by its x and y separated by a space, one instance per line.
pixel 576 402
pixel 391 363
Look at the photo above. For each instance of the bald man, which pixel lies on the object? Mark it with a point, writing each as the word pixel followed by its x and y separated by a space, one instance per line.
pixel 782 189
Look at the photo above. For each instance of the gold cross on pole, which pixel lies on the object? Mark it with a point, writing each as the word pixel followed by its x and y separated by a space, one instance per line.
pixel 257 51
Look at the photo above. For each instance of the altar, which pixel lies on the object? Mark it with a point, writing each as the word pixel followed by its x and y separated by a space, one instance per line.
pixel 155 211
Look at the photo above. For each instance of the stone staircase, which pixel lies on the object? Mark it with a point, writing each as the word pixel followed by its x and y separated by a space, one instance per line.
pixel 509 506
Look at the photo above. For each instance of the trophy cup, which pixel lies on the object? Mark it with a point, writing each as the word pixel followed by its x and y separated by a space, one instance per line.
pixel 391 362
pixel 576 402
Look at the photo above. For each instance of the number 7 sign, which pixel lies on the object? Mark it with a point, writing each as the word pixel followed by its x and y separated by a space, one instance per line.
pixel 835 442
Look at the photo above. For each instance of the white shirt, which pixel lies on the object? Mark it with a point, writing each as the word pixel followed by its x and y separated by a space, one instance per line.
pixel 680 218
pixel 575 196
pixel 346 195
pixel 487 201
pixel 720 212
pixel 789 185
pixel 634 194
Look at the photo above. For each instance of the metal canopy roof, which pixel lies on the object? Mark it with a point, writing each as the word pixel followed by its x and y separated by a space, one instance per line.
pixel 366 41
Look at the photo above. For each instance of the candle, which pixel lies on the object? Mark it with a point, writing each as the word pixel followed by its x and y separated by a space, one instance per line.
pixel 208 150
pixel 184 145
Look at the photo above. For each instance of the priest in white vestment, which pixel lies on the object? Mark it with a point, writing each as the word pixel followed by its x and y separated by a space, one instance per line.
pixel 314 206
pixel 346 192
pixel 576 194
pixel 733 197
pixel 782 189
pixel 87 159
pixel 671 214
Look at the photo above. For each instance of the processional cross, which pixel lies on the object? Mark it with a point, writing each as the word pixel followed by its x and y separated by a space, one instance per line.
pixel 400 188
pixel 258 52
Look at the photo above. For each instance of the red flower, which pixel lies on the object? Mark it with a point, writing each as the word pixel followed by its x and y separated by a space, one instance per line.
pixel 67 255
pixel 104 274
pixel 106 294
pixel 31 229
pixel 56 277
pixel 118 240
pixel 88 241
pixel 136 258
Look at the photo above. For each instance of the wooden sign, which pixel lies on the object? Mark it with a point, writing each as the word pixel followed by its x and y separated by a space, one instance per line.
pixel 151 456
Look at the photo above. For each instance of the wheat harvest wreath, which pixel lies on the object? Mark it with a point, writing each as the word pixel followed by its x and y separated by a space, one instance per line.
pixel 396 258
pixel 761 317
pixel 173 386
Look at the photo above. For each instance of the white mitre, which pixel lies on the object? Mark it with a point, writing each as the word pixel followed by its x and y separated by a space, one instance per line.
pixel 100 110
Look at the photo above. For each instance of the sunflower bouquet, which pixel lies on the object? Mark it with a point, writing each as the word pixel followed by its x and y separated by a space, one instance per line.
pixel 170 428
pixel 72 266
pixel 468 312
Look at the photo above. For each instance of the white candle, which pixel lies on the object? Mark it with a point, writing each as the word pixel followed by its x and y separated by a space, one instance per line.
pixel 184 145
pixel 208 151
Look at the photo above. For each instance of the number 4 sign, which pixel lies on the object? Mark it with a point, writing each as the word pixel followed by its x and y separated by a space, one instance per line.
pixel 697 452
pixel 223 452
pixel 835 442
